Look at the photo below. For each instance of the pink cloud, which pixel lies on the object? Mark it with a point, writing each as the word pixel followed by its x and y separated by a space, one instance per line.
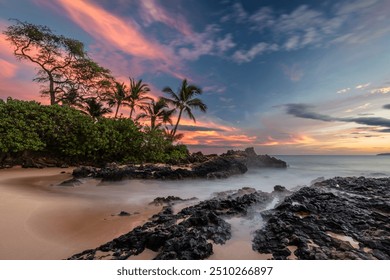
pixel 152 11
pixel 113 33
pixel 8 70
pixel 13 73
pixel 103 25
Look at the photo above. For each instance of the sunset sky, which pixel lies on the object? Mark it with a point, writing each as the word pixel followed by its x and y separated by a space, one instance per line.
pixel 287 77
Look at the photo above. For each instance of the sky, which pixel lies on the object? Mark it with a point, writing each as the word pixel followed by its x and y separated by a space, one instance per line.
pixel 286 77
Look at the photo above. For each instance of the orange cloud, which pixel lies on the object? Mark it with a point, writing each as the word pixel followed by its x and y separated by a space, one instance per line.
pixel 115 33
pixel 103 25
pixel 194 138
pixel 217 138
pixel 382 90
pixel 292 140
pixel 207 122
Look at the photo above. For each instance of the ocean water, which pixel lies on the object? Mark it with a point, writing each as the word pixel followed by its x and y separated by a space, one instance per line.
pixel 301 171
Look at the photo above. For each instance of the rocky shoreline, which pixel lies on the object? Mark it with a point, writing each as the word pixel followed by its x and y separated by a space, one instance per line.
pixel 340 218
pixel 196 166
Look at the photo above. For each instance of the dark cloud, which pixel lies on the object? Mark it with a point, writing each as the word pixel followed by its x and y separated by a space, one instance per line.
pixel 365 114
pixel 387 106
pixel 365 128
pixel 371 121
pixel 305 111
pixel 198 128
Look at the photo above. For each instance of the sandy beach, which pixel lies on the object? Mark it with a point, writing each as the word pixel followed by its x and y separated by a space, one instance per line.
pixel 41 220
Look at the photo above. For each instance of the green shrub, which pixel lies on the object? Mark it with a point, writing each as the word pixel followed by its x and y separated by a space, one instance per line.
pixel 63 132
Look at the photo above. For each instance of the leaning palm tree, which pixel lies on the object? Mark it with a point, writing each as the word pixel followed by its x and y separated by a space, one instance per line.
pixel 118 97
pixel 95 108
pixel 158 113
pixel 184 101
pixel 136 97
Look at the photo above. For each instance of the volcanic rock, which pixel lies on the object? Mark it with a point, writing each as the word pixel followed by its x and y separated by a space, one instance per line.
pixel 340 218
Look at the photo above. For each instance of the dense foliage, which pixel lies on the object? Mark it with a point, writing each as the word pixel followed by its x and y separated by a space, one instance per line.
pixel 28 128
pixel 74 128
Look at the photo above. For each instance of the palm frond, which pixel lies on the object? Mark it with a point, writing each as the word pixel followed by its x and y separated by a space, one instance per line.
pixel 183 100
pixel 196 103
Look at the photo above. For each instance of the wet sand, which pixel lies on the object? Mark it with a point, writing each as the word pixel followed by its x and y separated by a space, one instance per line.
pixel 40 220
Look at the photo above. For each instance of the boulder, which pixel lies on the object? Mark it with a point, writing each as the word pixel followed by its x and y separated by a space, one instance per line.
pixel 252 160
pixel 70 183
pixel 279 188
pixel 84 171
pixel 219 167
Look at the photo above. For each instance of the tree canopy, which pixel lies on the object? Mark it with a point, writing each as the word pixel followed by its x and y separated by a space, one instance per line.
pixel 157 112
pixel 28 128
pixel 63 64
pixel 137 95
pixel 184 101
pixel 82 87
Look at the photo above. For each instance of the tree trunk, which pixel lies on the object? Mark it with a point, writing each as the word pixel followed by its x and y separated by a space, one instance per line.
pixel 117 109
pixel 152 122
pixel 131 111
pixel 177 123
pixel 51 90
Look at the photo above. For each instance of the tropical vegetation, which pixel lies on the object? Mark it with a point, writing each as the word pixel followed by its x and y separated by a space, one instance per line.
pixel 184 100
pixel 63 64
pixel 82 122
pixel 29 129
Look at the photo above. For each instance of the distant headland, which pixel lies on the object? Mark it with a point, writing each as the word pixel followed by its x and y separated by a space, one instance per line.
pixel 384 154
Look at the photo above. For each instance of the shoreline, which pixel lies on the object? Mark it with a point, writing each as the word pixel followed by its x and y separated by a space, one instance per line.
pixel 40 219
pixel 44 221
pixel 344 218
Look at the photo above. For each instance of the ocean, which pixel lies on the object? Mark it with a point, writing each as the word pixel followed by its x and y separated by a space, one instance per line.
pixel 47 221
pixel 301 171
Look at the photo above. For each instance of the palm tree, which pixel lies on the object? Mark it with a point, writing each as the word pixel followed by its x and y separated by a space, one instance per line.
pixel 118 97
pixel 184 101
pixel 136 97
pixel 72 99
pixel 157 112
pixel 95 108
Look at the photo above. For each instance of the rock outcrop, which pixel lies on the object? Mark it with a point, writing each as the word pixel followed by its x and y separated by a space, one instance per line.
pixel 214 168
pixel 189 234
pixel 340 218
pixel 251 159
pixel 210 167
